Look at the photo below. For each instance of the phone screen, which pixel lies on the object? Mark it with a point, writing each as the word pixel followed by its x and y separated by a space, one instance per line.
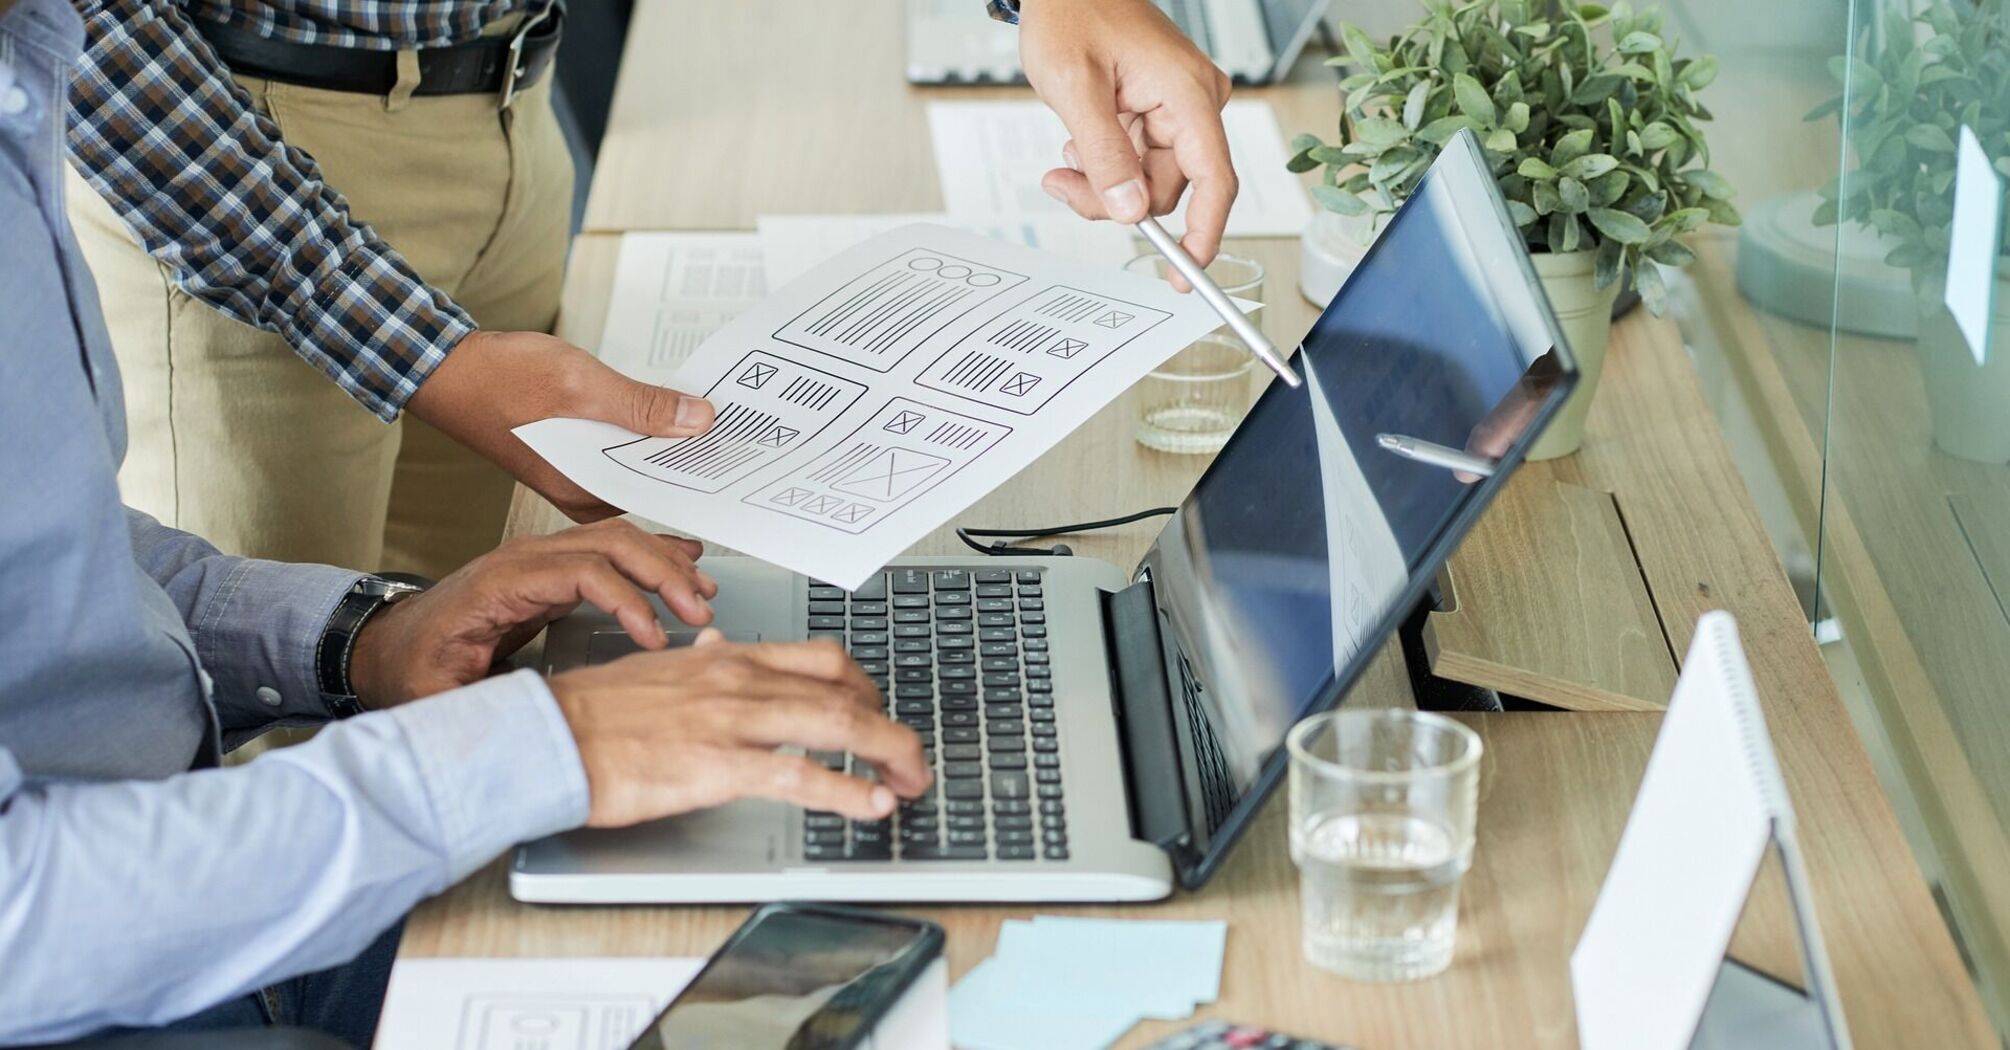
pixel 793 980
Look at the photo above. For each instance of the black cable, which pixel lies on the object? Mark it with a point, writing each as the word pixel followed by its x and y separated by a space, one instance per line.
pixel 968 536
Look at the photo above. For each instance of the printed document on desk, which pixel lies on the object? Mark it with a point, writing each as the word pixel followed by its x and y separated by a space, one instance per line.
pixel 868 402
pixel 990 157
pixel 793 245
pixel 671 292
pixel 588 1004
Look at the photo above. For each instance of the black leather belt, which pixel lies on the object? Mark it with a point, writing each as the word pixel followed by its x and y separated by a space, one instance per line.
pixel 502 65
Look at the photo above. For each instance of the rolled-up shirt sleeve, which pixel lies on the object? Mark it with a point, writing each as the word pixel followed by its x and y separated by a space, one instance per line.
pixel 257 625
pixel 243 220
pixel 142 902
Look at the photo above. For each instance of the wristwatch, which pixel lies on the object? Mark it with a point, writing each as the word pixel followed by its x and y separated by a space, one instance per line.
pixel 367 598
pixel 1003 10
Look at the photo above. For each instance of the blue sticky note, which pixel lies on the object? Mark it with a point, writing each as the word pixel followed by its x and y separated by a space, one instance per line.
pixel 1183 958
pixel 995 1007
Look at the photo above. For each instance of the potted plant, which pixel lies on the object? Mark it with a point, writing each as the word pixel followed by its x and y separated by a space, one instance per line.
pixel 1590 122
pixel 1937 72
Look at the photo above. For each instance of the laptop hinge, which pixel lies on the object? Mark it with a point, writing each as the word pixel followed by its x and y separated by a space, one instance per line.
pixel 1143 708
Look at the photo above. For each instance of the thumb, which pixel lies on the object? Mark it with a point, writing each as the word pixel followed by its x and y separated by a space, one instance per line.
pixel 645 408
pixel 1109 158
pixel 709 636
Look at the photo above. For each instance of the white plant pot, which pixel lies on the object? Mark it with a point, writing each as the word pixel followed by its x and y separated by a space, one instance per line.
pixel 1330 248
pixel 1970 402
pixel 1584 312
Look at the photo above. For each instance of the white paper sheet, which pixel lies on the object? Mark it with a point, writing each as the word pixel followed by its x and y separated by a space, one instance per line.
pixel 793 245
pixel 587 1004
pixel 672 291
pixel 990 157
pixel 870 401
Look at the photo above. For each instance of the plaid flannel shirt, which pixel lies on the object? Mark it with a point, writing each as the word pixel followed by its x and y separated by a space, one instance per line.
pixel 246 222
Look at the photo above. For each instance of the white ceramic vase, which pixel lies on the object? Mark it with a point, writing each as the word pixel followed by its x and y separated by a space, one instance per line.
pixel 1970 402
pixel 1330 248
pixel 1584 312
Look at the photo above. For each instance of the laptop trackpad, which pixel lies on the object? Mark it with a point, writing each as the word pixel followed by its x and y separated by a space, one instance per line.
pixel 742 836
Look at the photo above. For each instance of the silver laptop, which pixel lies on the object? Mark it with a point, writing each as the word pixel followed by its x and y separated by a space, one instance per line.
pixel 1100 733
pixel 1253 41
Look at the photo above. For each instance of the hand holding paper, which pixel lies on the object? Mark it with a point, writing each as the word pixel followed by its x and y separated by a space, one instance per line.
pixel 871 400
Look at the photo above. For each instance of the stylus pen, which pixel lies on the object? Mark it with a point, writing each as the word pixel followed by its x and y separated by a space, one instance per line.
pixel 1244 328
pixel 1437 455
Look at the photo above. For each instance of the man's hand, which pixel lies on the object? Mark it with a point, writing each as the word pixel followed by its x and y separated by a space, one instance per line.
pixel 1144 108
pixel 451 635
pixel 668 733
pixel 494 381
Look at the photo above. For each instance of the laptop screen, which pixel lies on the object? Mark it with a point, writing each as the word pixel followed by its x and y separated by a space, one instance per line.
pixel 1297 552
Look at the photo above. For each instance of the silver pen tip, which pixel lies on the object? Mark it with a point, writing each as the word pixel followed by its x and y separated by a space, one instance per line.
pixel 1389 441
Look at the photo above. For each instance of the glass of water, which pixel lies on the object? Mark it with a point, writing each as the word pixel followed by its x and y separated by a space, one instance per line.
pixel 1194 401
pixel 1382 813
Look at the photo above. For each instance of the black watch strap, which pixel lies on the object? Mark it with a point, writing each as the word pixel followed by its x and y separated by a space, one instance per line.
pixel 1003 10
pixel 338 640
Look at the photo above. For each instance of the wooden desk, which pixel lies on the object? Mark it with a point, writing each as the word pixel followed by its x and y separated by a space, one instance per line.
pixel 707 132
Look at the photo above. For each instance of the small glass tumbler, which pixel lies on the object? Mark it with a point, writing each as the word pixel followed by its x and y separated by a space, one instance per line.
pixel 1194 401
pixel 1383 805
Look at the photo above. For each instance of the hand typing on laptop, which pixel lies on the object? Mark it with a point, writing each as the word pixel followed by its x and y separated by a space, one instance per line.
pixel 658 733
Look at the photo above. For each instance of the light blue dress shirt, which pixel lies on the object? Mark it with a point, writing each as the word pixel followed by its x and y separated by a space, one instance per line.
pixel 139 884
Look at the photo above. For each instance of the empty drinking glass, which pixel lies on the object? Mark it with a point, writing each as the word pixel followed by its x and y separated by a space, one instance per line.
pixel 1382 814
pixel 1194 401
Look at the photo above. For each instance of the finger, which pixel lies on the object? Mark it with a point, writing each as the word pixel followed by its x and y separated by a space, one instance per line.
pixel 823 722
pixel 661 568
pixel 708 636
pixel 1201 148
pixel 805 782
pixel 1167 181
pixel 581 577
pixel 602 393
pixel 1072 188
pixel 826 661
pixel 1087 103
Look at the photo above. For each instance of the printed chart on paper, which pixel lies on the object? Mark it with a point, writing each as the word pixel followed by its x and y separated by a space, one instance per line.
pixel 881 393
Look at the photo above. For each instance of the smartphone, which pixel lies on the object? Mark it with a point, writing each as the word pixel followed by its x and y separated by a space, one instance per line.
pixel 797 977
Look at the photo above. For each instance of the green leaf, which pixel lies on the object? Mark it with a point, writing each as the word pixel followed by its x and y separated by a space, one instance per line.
pixel 1590 166
pixel 1723 214
pixel 1610 254
pixel 1534 168
pixel 1652 292
pixel 1894 223
pixel 1618 225
pixel 1570 147
pixel 1574 194
pixel 1699 73
pixel 1930 137
pixel 1390 165
pixel 1301 161
pixel 1441 130
pixel 1639 42
pixel 1380 132
pixel 1833 105
pixel 1517 117
pixel 1608 189
pixel 1301 143
pixel 1339 200
pixel 1658 135
pixel 1473 99
pixel 1546 200
pixel 1522 214
pixel 1413 104
pixel 1825 213
pixel 1359 48
pixel 1712 185
pixel 1671 253
pixel 1688 219
pixel 1500 140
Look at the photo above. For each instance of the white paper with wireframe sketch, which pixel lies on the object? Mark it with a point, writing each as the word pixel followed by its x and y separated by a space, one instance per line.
pixel 869 401
pixel 1710 805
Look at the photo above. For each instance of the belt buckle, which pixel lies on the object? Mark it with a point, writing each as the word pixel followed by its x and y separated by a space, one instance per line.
pixel 516 69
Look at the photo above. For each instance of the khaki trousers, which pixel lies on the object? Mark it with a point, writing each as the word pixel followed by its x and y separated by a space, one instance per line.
pixel 236 439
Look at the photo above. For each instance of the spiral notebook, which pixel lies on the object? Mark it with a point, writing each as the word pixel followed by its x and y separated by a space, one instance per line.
pixel 1650 971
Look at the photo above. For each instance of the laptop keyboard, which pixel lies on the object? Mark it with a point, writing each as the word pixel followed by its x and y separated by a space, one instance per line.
pixel 961 657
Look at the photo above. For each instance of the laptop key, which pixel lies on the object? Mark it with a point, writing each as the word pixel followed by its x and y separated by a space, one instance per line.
pixel 955 644
pixel 869 638
pixel 827 623
pixel 1048 776
pixel 963 806
pixel 910 601
pixel 956 656
pixel 1045 761
pixel 826 608
pixel 988 605
pixel 910 581
pixel 963 790
pixel 994 576
pixel 1009 785
pixel 952 627
pixel 959 718
pixel 996 634
pixel 873 589
pixel 952 613
pixel 999 680
pixel 876 668
pixel 912 645
pixel 1053 807
pixel 910 616
pixel 989 649
pixel 1006 727
pixel 994 590
pixel 963 753
pixel 1008 761
pixel 1035 631
pixel 1017 838
pixel 1000 711
pixel 1015 853
pixel 1006 743
pixel 1029 576
pixel 868 652
pixel 1030 592
pixel 1049 791
pixel 822 822
pixel 911 630
pixel 965 837
pixel 1056 853
pixel 1001 663
pixel 965 822
pixel 956 770
pixel 823 852
pixel 859 608
pixel 1047 744
pixel 992 620
pixel 825 593
pixel 958 703
pixel 943 853
pixel 1018 823
pixel 1036 645
pixel 952 580
pixel 824 837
